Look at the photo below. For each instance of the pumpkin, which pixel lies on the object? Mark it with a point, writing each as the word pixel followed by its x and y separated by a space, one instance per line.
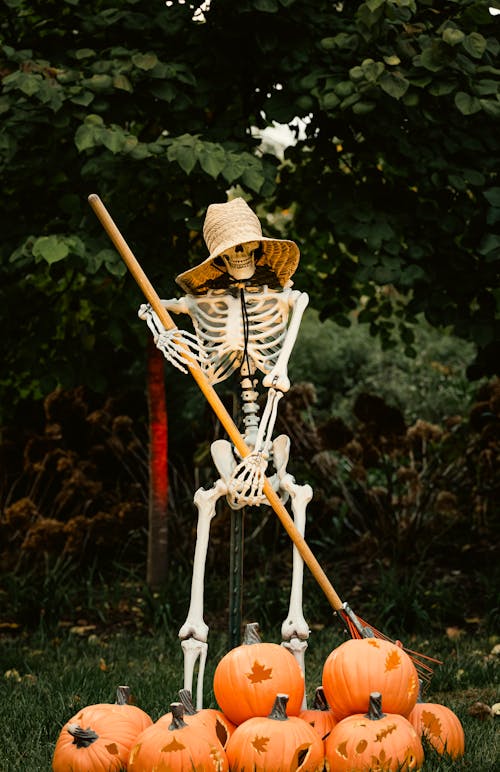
pixel 363 665
pixel 374 740
pixel 100 736
pixel 176 747
pixel 214 720
pixel 320 717
pixel 276 742
pixel 440 727
pixel 248 678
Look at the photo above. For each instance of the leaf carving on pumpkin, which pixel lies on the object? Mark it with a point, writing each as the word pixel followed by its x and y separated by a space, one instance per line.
pixel 431 723
pixel 392 661
pixel 385 732
pixel 259 673
pixel 381 763
pixel 174 745
pixel 112 748
pixel 260 744
pixel 373 642
pixel 412 686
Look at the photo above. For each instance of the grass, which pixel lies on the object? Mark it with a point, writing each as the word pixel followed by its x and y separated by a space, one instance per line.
pixel 45 680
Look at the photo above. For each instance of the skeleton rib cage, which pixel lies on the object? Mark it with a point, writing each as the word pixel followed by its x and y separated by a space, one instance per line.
pixel 219 322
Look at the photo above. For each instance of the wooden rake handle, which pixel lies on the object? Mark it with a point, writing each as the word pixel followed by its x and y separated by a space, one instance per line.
pixel 213 399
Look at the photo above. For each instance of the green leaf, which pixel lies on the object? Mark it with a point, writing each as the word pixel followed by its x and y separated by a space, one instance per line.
pixel 490 107
pixel 84 53
pixel 50 248
pixel 453 36
pixel 489 243
pixel 492 196
pixel 121 82
pixel 212 159
pixel 394 84
pixel 182 150
pixel 372 5
pixel 329 101
pixel 84 137
pixel 467 104
pixel 83 98
pixel 475 45
pixel 99 82
pixel 145 61
pixel 363 108
pixel 113 139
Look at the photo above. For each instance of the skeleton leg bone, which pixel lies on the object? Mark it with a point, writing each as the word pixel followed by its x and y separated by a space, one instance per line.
pixel 295 630
pixel 194 631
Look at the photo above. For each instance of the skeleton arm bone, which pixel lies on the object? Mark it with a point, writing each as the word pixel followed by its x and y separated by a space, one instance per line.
pixel 178 346
pixel 278 377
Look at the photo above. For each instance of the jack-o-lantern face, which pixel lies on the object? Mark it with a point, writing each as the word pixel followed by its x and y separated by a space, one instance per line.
pixel 177 747
pixel 374 741
pixel 278 741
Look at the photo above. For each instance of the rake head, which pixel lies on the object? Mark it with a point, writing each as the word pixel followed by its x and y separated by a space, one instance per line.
pixel 358 628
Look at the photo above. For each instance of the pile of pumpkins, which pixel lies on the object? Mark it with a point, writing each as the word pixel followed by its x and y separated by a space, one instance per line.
pixel 365 717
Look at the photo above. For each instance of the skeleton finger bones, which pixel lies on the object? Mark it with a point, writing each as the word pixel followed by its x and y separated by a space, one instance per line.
pixel 180 348
pixel 247 481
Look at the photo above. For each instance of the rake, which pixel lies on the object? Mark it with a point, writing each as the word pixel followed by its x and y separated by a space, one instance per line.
pixel 355 626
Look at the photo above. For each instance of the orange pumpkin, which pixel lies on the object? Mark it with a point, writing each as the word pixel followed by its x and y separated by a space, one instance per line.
pixel 248 678
pixel 214 720
pixel 374 740
pixel 177 747
pixel 320 717
pixel 100 736
pixel 360 666
pixel 275 742
pixel 440 727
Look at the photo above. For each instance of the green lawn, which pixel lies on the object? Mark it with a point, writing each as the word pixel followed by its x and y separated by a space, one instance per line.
pixel 44 681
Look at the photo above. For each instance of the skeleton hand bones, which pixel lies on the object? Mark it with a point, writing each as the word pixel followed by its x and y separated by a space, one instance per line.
pixel 178 346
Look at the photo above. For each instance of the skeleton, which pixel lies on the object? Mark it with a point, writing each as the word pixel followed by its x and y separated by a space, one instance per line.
pixel 246 328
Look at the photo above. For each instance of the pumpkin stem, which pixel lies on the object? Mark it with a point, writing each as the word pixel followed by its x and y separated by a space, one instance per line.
pixel 375 707
pixel 252 633
pixel 124 696
pixel 320 702
pixel 187 702
pixel 177 710
pixel 82 738
pixel 279 708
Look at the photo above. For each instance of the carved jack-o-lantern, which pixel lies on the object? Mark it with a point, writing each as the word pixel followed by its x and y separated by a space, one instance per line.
pixel 360 666
pixel 440 727
pixel 100 736
pixel 275 742
pixel 177 747
pixel 248 678
pixel 320 717
pixel 374 741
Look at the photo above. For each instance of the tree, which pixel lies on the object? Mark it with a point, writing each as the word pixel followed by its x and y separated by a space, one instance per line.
pixel 396 183
pixel 152 104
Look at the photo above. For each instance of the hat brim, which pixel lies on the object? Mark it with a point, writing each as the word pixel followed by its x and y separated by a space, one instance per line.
pixel 280 256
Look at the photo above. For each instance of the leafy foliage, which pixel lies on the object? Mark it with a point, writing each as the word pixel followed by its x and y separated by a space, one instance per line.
pixel 396 182
pixel 153 106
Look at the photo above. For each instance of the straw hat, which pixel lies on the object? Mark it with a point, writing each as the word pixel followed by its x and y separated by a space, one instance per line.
pixel 226 226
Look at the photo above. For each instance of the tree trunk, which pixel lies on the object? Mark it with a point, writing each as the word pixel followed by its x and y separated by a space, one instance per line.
pixel 158 468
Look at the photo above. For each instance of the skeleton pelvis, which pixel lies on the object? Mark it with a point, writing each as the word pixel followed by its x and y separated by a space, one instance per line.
pixel 244 478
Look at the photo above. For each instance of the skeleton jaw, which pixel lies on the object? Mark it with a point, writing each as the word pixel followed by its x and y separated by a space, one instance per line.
pixel 240 260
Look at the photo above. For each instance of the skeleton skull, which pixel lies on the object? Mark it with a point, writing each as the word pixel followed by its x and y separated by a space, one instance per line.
pixel 240 260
